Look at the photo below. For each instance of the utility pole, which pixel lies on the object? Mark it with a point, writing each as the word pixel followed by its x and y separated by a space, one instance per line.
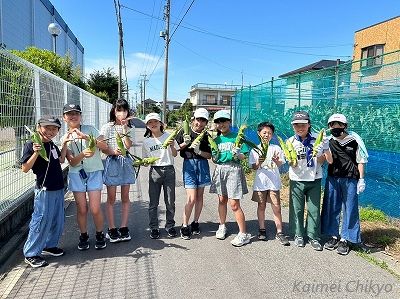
pixel 121 45
pixel 143 89
pixel 165 35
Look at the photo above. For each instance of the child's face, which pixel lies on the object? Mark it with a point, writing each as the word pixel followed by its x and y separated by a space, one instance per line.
pixel 154 125
pixel 223 125
pixel 48 132
pixel 199 124
pixel 266 134
pixel 301 129
pixel 73 119
pixel 121 114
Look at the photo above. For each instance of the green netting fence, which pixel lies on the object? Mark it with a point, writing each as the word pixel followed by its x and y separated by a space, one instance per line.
pixel 366 91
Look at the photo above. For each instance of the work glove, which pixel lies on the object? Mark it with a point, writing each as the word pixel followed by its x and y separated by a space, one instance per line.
pixel 196 148
pixel 325 143
pixel 360 186
pixel 186 139
pixel 235 151
pixel 320 150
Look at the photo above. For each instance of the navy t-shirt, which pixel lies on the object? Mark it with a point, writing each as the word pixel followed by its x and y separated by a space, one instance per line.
pixel 188 153
pixel 54 178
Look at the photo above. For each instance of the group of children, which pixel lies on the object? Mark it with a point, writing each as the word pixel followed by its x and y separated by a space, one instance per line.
pixel 344 151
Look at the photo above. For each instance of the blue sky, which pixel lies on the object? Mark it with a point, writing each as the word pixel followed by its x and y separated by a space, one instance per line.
pixel 219 41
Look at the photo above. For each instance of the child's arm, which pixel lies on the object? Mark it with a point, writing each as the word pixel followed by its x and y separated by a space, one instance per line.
pixel 75 160
pixel 64 150
pixel 172 144
pixel 29 164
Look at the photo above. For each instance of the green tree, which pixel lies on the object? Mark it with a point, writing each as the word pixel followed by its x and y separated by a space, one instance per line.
pixel 175 116
pixel 105 82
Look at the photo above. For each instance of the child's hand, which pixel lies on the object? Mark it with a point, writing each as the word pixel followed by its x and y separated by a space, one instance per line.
pixel 186 139
pixel 275 157
pixel 87 153
pixel 77 134
pixel 117 152
pixel 37 147
pixel 171 142
pixel 261 160
pixel 235 151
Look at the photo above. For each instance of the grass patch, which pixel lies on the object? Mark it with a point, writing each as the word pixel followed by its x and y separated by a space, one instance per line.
pixel 372 215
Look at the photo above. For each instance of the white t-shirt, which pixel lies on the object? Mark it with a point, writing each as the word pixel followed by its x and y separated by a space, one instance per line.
pixel 152 147
pixel 267 177
pixel 108 132
pixel 302 172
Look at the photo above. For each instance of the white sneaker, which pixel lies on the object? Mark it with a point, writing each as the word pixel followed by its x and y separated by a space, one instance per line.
pixel 241 239
pixel 221 232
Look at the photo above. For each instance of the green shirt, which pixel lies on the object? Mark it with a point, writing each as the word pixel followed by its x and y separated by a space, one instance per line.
pixel 225 145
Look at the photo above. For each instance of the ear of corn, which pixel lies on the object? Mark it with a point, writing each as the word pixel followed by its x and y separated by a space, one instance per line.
pixel 171 136
pixel 240 136
pixel 144 161
pixel 264 146
pixel 292 152
pixel 318 141
pixel 198 139
pixel 120 144
pixel 35 137
pixel 213 144
pixel 186 125
pixel 285 149
pixel 91 143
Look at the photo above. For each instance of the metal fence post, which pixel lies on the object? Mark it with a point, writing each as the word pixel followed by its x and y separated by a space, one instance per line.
pixel 37 94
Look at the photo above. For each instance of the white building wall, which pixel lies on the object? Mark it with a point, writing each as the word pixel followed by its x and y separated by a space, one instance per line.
pixel 24 23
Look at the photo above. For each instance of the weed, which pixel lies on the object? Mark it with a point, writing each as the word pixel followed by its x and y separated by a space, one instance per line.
pixel 373 215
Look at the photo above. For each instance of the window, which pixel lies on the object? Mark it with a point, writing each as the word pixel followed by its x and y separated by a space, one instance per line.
pixel 210 99
pixel 372 56
pixel 226 100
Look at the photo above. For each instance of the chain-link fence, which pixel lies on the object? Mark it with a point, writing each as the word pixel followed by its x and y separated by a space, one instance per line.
pixel 27 93
pixel 366 91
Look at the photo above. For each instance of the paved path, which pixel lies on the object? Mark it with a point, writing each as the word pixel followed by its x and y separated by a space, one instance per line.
pixel 202 267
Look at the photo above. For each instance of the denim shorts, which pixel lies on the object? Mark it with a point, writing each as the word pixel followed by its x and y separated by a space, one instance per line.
pixel 196 173
pixel 94 182
pixel 118 171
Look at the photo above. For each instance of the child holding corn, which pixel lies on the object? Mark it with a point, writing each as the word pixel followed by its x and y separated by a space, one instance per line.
pixel 228 180
pixel 47 223
pixel 305 175
pixel 85 174
pixel 344 182
pixel 160 144
pixel 196 171
pixel 267 182
pixel 118 169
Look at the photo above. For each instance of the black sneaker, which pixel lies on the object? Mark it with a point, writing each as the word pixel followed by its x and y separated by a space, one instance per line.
pixel 262 234
pixel 124 234
pixel 83 242
pixel 343 248
pixel 315 244
pixel 113 235
pixel 54 251
pixel 282 239
pixel 171 232
pixel 185 233
pixel 100 241
pixel 195 228
pixel 35 261
pixel 155 233
pixel 331 244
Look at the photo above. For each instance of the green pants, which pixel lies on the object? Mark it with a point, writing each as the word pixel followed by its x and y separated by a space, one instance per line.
pixel 299 194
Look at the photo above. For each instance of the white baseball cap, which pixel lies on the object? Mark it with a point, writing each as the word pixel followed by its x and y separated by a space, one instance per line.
pixel 337 117
pixel 151 116
pixel 201 113
pixel 222 114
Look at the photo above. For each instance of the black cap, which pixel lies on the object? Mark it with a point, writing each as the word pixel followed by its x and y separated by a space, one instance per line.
pixel 71 107
pixel 300 117
pixel 49 121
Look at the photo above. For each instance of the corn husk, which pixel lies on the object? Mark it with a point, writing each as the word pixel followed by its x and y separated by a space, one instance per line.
pixel 171 136
pixel 35 137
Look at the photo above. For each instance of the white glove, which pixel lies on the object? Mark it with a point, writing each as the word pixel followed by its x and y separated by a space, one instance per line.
pixel 325 143
pixel 186 139
pixel 196 148
pixel 320 149
pixel 235 151
pixel 360 186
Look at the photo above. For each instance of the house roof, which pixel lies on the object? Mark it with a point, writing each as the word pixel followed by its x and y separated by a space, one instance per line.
pixel 312 67
pixel 150 101
pixel 378 23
